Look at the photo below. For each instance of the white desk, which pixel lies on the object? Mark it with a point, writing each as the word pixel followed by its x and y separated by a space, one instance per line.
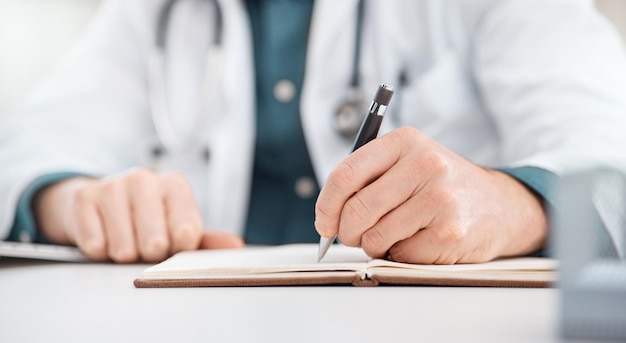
pixel 56 302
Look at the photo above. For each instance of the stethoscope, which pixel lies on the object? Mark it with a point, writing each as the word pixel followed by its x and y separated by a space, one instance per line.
pixel 347 118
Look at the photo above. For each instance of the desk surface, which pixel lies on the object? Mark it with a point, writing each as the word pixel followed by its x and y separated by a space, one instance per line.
pixel 44 301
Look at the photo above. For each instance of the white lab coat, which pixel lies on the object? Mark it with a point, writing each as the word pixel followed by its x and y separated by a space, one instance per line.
pixel 502 83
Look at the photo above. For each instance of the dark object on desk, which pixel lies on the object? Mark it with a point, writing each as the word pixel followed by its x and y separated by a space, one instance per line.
pixel 590 227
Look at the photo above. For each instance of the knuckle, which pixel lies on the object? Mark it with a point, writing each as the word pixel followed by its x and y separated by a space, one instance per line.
pixel 347 239
pixel 451 236
pixel 406 136
pixel 445 200
pixel 139 177
pixel 343 174
pixel 93 249
pixel 84 195
pixel 434 161
pixel 348 236
pixel 321 211
pixel 373 242
pixel 448 257
pixel 356 209
pixel 326 218
pixel 428 158
pixel 416 164
pixel 155 250
pixel 187 241
pixel 408 133
pixel 112 188
pixel 176 180
pixel 323 225
pixel 126 255
pixel 398 254
pixel 484 248
pixel 153 258
pixel 187 234
pixel 446 260
pixel 139 173
pixel 186 245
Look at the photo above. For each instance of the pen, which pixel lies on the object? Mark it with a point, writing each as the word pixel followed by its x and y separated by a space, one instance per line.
pixel 367 132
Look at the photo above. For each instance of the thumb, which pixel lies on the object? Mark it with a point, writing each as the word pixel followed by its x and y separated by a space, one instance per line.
pixel 220 240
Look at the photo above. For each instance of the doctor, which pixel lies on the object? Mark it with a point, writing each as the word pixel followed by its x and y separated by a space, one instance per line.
pixel 176 116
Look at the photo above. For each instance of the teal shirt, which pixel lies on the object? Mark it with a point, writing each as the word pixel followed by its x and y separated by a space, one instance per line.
pixel 278 213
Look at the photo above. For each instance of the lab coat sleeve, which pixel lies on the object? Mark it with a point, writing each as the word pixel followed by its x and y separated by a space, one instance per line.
pixel 541 182
pixel 84 118
pixel 24 228
pixel 553 76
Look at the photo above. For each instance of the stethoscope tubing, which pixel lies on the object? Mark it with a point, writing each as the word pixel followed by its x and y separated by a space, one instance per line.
pixel 170 141
pixel 354 107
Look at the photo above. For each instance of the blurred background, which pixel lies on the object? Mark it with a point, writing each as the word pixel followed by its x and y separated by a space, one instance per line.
pixel 35 35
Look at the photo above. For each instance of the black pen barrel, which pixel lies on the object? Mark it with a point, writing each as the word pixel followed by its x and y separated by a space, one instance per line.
pixel 368 131
pixel 373 119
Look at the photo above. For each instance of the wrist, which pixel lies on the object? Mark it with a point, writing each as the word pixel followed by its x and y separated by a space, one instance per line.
pixel 526 220
pixel 51 209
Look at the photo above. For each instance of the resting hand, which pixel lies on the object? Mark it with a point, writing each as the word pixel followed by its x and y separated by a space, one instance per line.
pixel 136 215
pixel 407 198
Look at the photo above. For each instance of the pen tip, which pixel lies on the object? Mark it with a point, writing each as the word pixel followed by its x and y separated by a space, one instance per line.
pixel 325 243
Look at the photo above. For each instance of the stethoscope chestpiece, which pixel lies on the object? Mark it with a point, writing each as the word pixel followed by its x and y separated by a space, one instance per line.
pixel 350 114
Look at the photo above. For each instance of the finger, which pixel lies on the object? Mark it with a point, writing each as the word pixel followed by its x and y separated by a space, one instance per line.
pixel 451 237
pixel 401 223
pixel 87 227
pixel 365 208
pixel 426 247
pixel 114 208
pixel 149 216
pixel 350 176
pixel 444 243
pixel 184 221
pixel 220 240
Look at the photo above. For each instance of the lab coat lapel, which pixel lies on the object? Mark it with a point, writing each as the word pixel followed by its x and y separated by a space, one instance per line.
pixel 327 77
pixel 231 136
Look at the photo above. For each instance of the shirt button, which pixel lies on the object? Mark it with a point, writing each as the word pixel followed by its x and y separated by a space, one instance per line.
pixel 284 90
pixel 305 187
pixel 25 237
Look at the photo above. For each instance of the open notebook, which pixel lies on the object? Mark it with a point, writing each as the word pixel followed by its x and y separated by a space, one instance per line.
pixel 297 265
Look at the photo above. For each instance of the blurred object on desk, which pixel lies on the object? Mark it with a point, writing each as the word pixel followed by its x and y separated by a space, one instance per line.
pixel 36 251
pixel 589 223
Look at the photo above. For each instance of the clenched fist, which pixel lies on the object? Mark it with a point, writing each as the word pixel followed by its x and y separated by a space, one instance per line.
pixel 136 215
pixel 407 198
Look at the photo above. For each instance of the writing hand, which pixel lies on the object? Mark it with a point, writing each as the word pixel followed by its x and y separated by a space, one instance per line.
pixel 136 215
pixel 407 198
